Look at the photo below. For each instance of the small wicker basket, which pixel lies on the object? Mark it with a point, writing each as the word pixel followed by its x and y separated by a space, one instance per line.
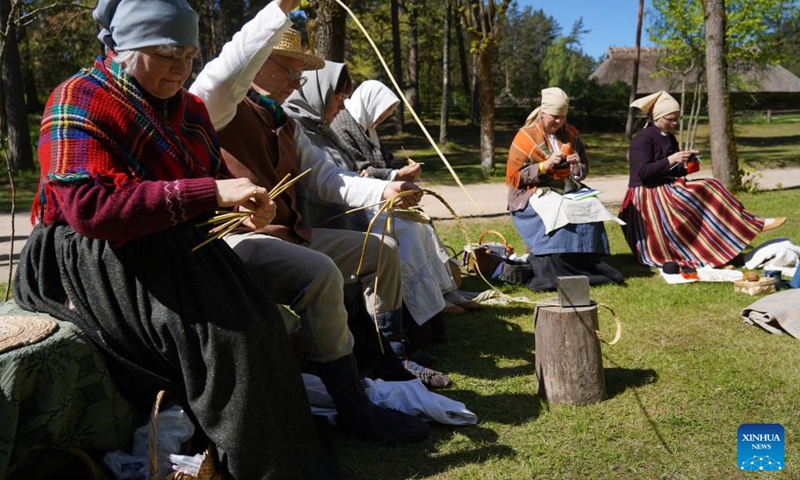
pixel 763 286
pixel 484 258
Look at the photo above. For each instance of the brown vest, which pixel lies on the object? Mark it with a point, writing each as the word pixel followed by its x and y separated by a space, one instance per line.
pixel 255 149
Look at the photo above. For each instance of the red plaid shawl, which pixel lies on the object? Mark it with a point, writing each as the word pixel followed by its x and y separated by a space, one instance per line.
pixel 97 126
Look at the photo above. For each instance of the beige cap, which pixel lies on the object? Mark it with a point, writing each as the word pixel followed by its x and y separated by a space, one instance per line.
pixel 657 104
pixel 292 46
pixel 554 101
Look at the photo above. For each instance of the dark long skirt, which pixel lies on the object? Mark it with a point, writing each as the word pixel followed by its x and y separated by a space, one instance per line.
pixel 574 249
pixel 192 322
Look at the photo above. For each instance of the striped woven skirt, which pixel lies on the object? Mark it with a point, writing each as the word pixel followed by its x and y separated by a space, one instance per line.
pixel 693 223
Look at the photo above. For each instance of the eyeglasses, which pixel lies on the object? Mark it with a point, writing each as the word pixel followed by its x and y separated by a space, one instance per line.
pixel 291 75
pixel 672 119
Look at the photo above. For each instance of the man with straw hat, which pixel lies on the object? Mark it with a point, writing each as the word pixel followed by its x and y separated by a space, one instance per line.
pixel 304 269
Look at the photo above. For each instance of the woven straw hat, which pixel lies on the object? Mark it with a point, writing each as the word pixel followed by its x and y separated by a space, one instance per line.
pixel 20 330
pixel 292 46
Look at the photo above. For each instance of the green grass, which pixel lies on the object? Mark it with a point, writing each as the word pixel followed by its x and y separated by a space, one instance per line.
pixel 686 373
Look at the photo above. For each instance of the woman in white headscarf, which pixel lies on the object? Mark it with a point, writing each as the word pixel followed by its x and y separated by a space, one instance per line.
pixel 669 218
pixel 547 158
pixel 355 127
pixel 314 106
pixel 355 131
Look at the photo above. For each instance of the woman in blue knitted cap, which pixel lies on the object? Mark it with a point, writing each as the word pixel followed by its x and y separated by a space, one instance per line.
pixel 130 168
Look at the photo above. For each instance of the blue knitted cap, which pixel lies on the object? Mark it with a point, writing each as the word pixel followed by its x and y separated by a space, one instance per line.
pixel 132 24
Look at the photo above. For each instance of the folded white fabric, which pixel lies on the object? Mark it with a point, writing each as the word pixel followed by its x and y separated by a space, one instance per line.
pixel 557 211
pixel 783 256
pixel 409 397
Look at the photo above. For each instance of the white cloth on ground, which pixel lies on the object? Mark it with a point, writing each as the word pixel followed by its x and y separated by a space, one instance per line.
pixel 557 211
pixel 704 274
pixel 409 397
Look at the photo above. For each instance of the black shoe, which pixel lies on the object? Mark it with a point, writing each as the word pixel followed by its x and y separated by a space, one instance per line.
pixel 377 424
pixel 356 415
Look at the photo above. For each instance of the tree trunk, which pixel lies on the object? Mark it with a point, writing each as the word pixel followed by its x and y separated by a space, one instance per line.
pixel 475 115
pixel 724 158
pixel 412 92
pixel 12 97
pixel 445 114
pixel 397 57
pixel 462 60
pixel 569 362
pixel 486 96
pixel 31 96
pixel 635 75
pixel 326 29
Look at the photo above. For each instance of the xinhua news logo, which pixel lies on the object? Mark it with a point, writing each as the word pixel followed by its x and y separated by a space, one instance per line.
pixel 761 447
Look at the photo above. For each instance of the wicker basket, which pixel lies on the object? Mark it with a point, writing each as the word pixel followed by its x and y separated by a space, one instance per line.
pixel 762 286
pixel 484 258
pixel 207 470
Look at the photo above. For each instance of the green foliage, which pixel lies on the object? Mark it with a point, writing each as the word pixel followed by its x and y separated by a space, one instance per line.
pixel 58 42
pixel 750 178
pixel 678 26
pixel 521 50
pixel 787 36
pixel 565 65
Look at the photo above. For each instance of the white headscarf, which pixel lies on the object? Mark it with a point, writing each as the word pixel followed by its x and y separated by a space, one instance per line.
pixel 368 102
pixel 554 101
pixel 657 104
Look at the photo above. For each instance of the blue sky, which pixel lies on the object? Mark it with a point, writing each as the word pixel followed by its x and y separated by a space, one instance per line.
pixel 612 22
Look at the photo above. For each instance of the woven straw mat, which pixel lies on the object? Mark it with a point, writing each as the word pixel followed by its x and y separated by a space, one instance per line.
pixel 19 330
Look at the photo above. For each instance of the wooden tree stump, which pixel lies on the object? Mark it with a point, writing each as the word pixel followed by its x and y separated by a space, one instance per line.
pixel 569 365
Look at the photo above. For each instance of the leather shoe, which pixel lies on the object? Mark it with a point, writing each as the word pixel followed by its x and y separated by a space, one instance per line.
pixel 773 223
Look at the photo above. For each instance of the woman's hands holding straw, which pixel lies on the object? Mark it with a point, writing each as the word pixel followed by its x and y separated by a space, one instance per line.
pixel 243 192
pixel 410 172
pixel 256 206
pixel 406 200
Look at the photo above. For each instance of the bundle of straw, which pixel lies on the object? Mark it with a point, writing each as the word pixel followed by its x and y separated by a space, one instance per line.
pixel 226 222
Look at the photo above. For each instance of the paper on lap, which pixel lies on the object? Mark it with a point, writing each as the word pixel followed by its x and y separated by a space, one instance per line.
pixel 556 210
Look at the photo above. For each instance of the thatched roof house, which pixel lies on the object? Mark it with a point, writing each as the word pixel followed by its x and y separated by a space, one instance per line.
pixel 772 87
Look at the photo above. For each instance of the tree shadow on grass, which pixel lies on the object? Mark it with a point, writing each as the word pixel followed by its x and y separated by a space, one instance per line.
pixel 767 141
pixel 424 460
pixel 626 263
pixel 504 408
pixel 620 379
pixel 419 460
pixel 484 345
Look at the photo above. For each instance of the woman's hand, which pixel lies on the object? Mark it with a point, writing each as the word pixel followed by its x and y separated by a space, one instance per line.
pixel 409 173
pixel 246 194
pixel 573 159
pixel 681 157
pixel 406 201
pixel 553 160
